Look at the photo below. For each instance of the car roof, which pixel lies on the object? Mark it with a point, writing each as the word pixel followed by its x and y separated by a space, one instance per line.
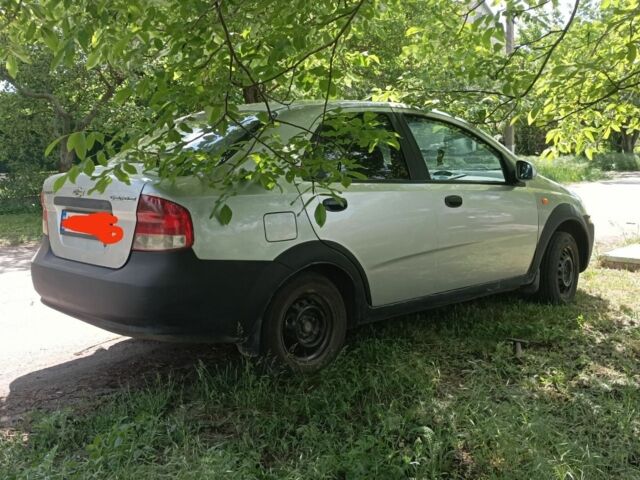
pixel 304 104
pixel 278 107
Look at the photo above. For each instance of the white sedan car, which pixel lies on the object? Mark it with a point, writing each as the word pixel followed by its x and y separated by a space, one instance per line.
pixel 449 216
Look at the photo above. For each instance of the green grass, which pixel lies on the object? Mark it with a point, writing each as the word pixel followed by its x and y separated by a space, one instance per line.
pixel 20 228
pixel 573 169
pixel 435 396
pixel 568 169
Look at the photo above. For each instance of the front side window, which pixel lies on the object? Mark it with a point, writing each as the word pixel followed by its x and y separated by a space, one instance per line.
pixel 452 154
pixel 379 160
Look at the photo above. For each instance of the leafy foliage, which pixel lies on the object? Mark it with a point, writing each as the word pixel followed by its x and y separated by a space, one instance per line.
pixel 574 73
pixel 593 87
pixel 20 191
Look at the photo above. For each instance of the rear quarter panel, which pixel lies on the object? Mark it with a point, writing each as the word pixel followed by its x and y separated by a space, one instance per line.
pixel 244 237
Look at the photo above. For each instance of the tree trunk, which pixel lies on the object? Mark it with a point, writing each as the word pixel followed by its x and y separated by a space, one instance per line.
pixel 66 158
pixel 629 140
pixel 252 94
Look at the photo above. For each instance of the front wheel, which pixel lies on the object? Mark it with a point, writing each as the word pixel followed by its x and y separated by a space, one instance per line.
pixel 560 270
pixel 306 323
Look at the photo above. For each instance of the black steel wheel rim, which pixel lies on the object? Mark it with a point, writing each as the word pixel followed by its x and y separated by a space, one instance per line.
pixel 307 327
pixel 566 271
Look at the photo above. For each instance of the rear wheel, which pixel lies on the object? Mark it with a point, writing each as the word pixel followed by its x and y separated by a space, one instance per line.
pixel 560 270
pixel 306 324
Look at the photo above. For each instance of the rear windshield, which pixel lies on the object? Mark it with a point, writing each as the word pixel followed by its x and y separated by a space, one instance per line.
pixel 228 144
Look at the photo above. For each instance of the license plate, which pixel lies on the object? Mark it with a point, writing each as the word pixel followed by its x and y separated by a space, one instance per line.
pixel 68 214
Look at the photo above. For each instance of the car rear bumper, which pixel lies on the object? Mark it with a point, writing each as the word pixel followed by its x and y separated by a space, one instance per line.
pixel 167 296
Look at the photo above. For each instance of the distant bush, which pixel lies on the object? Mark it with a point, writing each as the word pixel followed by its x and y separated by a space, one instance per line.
pixel 617 162
pixel 20 191
pixel 567 169
pixel 571 169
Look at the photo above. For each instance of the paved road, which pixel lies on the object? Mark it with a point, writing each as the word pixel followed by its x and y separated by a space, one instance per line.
pixel 48 359
pixel 614 206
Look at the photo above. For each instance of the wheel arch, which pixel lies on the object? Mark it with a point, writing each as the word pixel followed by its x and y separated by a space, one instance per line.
pixel 325 258
pixel 565 218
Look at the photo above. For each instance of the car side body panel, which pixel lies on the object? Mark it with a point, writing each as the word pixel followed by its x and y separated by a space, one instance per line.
pixel 491 237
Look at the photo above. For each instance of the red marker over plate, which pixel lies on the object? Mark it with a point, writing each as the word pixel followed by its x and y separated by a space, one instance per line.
pixel 101 225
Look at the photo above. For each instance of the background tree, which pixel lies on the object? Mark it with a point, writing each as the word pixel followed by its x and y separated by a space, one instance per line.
pixel 73 95
pixel 25 132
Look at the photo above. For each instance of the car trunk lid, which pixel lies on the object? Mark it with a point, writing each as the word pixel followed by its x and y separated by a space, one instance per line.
pixel 73 199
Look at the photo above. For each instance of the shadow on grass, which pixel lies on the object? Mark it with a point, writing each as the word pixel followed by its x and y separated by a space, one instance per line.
pixel 497 318
pixel 435 395
pixel 129 364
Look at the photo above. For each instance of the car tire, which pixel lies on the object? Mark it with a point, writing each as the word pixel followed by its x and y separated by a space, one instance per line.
pixel 306 324
pixel 560 270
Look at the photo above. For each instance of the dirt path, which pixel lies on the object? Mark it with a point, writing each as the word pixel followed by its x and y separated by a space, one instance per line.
pixel 48 359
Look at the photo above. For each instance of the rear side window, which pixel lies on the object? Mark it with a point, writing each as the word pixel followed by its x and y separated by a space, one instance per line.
pixel 380 162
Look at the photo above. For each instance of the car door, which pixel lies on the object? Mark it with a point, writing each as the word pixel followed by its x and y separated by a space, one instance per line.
pixel 386 225
pixel 487 225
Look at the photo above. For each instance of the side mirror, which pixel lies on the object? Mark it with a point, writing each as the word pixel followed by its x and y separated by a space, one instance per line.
pixel 525 171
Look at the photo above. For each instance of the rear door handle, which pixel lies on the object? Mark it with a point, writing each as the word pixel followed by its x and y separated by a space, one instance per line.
pixel 453 201
pixel 332 205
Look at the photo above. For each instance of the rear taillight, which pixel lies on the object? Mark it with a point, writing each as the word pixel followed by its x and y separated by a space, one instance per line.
pixel 162 225
pixel 45 222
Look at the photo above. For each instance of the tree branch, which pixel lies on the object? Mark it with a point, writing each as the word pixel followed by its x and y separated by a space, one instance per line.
pixel 27 92
pixel 326 45
pixel 552 49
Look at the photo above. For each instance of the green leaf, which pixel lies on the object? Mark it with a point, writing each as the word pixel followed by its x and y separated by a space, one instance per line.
pixel 589 153
pixel 12 66
pixel 73 173
pixel 120 175
pixel 31 31
pixel 49 38
pixel 589 135
pixel 57 185
pixel 320 214
pixel 632 52
pixel 89 167
pixel 224 214
pixel 102 158
pixel 173 136
pixel 130 169
pixel 91 140
pixel 93 59
pixel 185 127
pixel 52 145
pixel 413 31
pixel 122 95
pixel 78 142
pixel 58 58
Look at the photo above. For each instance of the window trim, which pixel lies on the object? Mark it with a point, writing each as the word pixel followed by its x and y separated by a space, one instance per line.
pixel 509 177
pixel 405 147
